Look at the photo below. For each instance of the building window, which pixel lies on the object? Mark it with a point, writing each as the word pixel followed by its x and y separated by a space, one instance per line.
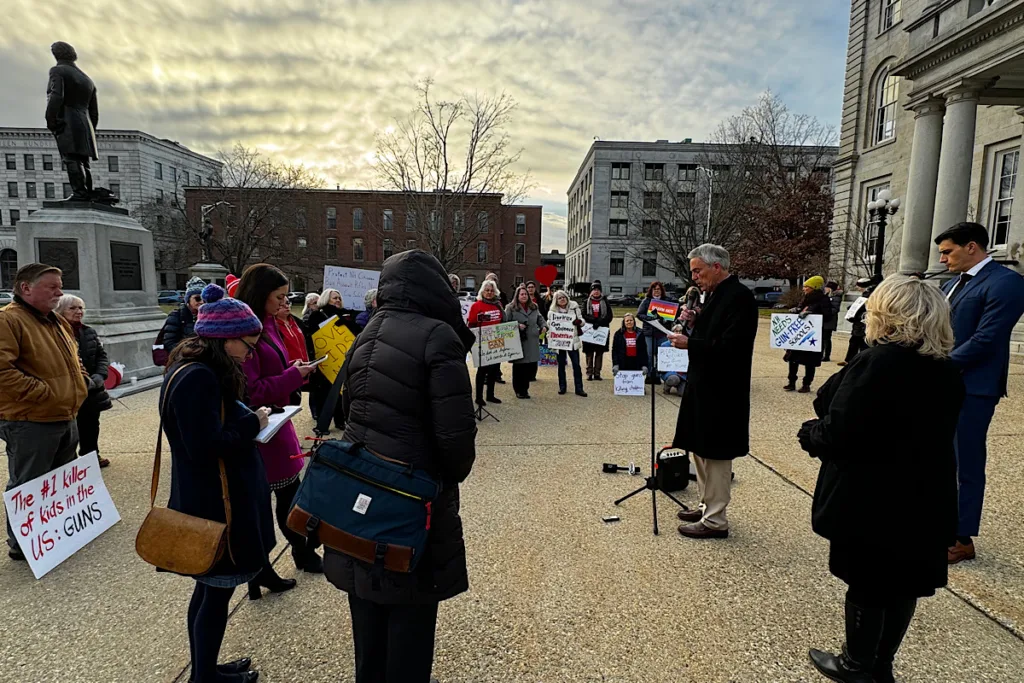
pixel 66 190
pixel 300 242
pixel 410 245
pixel 30 162
pixel 357 249
pixel 890 14
pixel 618 263
pixel 113 164
pixel 300 218
pixel 519 279
pixel 159 195
pixel 8 267
pixel 435 221
pixel 332 218
pixel 12 162
pixel 49 191
pixel 199 181
pixel 720 169
pixel 651 228
pixel 520 253
pixel 115 189
pixel 332 247
pixel 389 220
pixel 481 252
pixel 12 190
pixel 482 221
pixel 654 171
pixel 687 171
pixel 410 221
pixel 520 223
pixel 620 171
pixel 357 219
pixel 617 227
pixel 650 266
pixel 652 200
pixel 30 190
pixel 47 162
pixel 159 172
pixel 620 200
pixel 687 200
pixel 174 174
pixel 15 216
pixel 886 95
pixel 389 249
pixel 1006 183
pixel 871 236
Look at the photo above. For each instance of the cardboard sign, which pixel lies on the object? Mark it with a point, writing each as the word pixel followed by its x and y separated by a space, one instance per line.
pixel 561 331
pixel 353 284
pixel 666 310
pixel 332 341
pixel 496 344
pixel 592 336
pixel 56 515
pixel 671 359
pixel 629 383
pixel 791 332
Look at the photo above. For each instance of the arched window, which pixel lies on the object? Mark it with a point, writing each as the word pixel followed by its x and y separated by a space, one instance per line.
pixel 8 268
pixel 886 96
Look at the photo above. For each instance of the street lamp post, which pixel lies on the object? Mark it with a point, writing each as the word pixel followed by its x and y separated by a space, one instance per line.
pixel 711 187
pixel 879 210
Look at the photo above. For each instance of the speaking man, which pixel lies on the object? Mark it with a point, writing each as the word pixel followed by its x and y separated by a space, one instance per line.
pixel 986 300
pixel 714 415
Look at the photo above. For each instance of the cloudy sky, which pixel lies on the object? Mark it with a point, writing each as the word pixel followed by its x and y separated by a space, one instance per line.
pixel 311 81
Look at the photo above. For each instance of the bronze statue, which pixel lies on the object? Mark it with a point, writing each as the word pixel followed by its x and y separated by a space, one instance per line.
pixel 72 116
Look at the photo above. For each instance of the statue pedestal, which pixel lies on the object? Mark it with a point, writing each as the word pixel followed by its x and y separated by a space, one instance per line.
pixel 107 259
pixel 210 273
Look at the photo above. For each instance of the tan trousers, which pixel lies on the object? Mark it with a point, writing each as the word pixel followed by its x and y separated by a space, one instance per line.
pixel 714 481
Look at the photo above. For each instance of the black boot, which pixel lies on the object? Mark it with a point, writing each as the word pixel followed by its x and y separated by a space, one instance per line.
pixel 491 398
pixel 480 394
pixel 307 560
pixel 857 660
pixel 239 666
pixel 268 578
pixel 894 628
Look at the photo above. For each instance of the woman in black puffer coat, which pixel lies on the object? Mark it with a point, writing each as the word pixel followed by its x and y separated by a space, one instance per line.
pixel 94 358
pixel 408 397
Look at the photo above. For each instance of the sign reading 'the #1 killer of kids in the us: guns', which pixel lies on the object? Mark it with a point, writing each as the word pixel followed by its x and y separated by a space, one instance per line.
pixel 56 515
pixel 793 333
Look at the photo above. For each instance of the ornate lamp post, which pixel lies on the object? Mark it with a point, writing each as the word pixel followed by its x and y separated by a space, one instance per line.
pixel 879 211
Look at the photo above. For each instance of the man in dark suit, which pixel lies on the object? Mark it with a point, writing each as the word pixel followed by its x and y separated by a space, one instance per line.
pixel 714 415
pixel 72 116
pixel 986 300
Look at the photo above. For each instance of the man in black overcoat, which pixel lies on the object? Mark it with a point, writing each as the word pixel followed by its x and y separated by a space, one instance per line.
pixel 714 415
pixel 72 116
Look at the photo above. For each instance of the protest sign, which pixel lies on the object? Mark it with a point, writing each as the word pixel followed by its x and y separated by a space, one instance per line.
pixel 56 515
pixel 497 344
pixel 548 356
pixel 352 283
pixel 671 359
pixel 851 312
pixel 791 332
pixel 561 331
pixel 333 341
pixel 666 310
pixel 629 383
pixel 592 336
pixel 466 305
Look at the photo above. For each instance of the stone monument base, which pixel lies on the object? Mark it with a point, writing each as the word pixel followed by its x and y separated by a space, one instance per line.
pixel 107 259
pixel 210 273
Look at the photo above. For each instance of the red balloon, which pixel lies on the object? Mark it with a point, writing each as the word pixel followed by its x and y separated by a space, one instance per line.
pixel 545 275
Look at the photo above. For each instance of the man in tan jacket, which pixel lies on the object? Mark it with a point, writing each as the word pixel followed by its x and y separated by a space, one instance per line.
pixel 42 381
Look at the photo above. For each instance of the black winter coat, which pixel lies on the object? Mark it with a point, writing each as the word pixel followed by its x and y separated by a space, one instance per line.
pixel 619 356
pixel 180 324
pixel 604 319
pixel 714 414
pixel 870 437
pixel 94 359
pixel 831 321
pixel 408 397
pixel 815 303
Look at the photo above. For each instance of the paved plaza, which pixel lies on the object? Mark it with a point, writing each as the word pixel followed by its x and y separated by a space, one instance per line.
pixel 556 594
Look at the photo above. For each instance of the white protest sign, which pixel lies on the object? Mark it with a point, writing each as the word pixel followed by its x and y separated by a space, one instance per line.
pixel 793 333
pixel 352 283
pixel 561 331
pixel 56 515
pixel 671 359
pixel 592 336
pixel 851 312
pixel 497 344
pixel 466 305
pixel 629 383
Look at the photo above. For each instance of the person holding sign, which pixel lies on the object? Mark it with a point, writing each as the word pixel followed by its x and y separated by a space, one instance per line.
pixel 815 302
pixel 596 313
pixel 628 349
pixel 564 325
pixel 329 305
pixel 525 312
pixel 486 311
pixel 656 291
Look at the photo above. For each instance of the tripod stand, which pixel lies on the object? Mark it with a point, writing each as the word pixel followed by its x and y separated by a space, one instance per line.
pixel 481 412
pixel 651 482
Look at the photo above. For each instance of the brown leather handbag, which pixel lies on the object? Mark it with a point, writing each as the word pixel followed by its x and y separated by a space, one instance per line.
pixel 177 542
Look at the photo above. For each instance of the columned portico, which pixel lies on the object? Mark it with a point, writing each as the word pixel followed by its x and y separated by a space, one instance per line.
pixel 921 185
pixel 952 191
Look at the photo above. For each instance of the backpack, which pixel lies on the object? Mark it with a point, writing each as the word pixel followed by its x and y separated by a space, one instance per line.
pixel 160 354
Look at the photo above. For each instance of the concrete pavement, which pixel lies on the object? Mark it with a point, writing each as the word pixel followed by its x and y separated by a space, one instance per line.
pixel 556 594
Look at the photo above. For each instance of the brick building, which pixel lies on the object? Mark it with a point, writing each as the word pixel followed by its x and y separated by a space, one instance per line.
pixel 361 228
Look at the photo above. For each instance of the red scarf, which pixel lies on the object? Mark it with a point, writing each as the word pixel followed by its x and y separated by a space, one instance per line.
pixel 631 344
pixel 294 341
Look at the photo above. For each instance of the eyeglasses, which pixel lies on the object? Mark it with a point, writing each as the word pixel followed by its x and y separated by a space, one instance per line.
pixel 250 349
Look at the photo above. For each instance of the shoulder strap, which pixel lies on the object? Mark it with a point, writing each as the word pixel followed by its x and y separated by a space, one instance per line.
pixel 323 424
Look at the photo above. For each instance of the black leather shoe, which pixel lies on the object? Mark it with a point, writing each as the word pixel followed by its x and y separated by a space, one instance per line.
pixel 698 530
pixel 493 399
pixel 687 515
pixel 239 666
pixel 561 391
pixel 789 387
pixel 838 668
pixel 18 556
pixel 805 389
pixel 581 393
pixel 269 579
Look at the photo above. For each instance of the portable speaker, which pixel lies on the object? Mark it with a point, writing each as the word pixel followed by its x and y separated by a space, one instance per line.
pixel 673 469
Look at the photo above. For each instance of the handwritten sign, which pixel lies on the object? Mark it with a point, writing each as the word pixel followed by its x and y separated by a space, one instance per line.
pixel 666 310
pixel 497 344
pixel 671 359
pixel 592 336
pixel 56 515
pixel 629 383
pixel 548 356
pixel 791 332
pixel 353 284
pixel 466 305
pixel 561 331
pixel 851 312
pixel 334 342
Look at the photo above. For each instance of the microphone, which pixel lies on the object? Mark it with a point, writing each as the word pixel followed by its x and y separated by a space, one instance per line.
pixel 692 298
pixel 482 317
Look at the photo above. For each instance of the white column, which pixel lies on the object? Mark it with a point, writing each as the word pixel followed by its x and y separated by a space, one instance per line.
pixel 952 193
pixel 924 174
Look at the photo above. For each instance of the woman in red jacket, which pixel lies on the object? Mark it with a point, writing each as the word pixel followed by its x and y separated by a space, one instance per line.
pixel 487 310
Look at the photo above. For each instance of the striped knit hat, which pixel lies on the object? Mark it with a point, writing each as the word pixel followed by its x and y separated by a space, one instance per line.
pixel 231 284
pixel 221 318
pixel 194 287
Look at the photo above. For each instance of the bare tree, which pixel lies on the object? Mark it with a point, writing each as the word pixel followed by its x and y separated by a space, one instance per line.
pixel 452 163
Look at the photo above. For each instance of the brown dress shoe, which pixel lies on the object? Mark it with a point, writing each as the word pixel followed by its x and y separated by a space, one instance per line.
pixel 698 530
pixel 690 515
pixel 960 552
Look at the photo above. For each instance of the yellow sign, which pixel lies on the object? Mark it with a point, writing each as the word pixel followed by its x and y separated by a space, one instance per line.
pixel 333 341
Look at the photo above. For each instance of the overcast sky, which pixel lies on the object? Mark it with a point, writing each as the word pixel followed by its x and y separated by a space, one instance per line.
pixel 311 81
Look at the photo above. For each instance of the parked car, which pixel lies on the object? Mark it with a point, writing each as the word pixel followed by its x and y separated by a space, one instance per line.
pixel 296 298
pixel 622 300
pixel 6 296
pixel 767 297
pixel 170 297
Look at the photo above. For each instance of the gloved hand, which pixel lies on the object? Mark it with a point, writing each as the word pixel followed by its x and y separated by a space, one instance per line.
pixel 96 382
pixel 795 309
pixel 804 435
pixel 615 370
pixel 643 370
pixel 804 314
